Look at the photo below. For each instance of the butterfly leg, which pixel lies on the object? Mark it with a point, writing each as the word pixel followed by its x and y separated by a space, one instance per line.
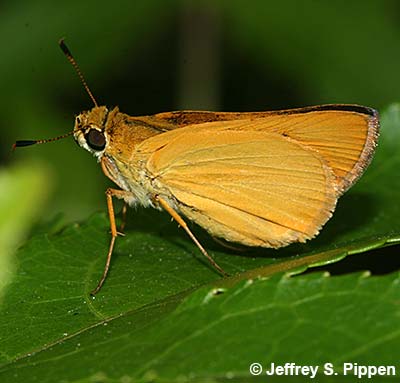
pixel 182 223
pixel 114 233
pixel 228 245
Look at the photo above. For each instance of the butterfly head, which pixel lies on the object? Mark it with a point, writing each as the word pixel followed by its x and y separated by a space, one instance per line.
pixel 90 130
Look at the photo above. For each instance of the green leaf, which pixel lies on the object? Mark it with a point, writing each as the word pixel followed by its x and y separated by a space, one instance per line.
pixel 311 320
pixel 149 323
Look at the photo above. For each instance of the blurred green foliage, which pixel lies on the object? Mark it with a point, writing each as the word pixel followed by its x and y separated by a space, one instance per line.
pixel 155 55
pixel 19 210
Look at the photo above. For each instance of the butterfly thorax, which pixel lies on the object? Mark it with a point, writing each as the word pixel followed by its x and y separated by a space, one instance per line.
pixel 112 137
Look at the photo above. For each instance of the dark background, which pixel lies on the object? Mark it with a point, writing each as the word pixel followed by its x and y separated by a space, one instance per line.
pixel 157 55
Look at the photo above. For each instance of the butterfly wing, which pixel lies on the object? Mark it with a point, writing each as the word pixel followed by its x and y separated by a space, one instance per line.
pixel 344 135
pixel 255 188
pixel 261 179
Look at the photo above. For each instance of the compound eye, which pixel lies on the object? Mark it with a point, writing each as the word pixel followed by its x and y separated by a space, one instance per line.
pixel 95 139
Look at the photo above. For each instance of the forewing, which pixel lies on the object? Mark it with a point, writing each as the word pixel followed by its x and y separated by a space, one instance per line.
pixel 345 139
pixel 344 135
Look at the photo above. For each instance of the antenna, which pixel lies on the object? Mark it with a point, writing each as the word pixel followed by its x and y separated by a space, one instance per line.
pixel 71 59
pixel 19 144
